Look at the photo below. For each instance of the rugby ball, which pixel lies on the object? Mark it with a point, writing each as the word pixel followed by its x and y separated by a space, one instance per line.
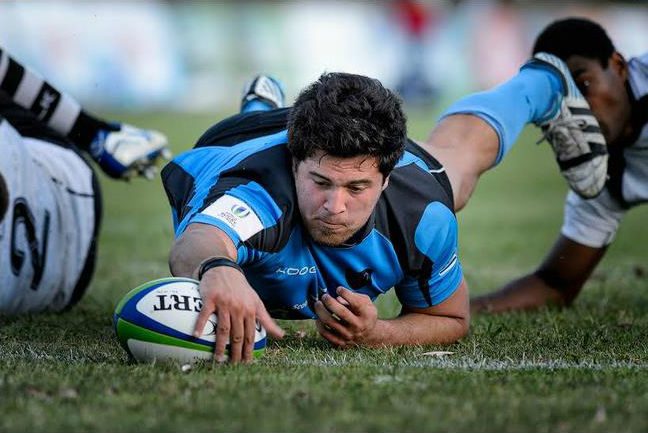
pixel 155 322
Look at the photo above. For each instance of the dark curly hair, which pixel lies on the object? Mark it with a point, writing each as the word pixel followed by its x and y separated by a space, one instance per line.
pixel 347 115
pixel 575 36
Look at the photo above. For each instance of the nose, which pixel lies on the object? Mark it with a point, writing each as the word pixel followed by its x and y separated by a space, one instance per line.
pixel 335 201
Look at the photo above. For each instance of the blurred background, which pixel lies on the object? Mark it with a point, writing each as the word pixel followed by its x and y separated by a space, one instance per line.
pixel 196 56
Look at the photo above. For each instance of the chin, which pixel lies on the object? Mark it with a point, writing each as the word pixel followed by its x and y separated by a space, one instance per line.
pixel 328 238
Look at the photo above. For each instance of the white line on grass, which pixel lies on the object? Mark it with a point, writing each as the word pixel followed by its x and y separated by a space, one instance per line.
pixel 360 359
pixel 474 364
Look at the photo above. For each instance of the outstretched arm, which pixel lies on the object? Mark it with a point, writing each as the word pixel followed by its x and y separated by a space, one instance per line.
pixel 225 291
pixel 558 280
pixel 351 319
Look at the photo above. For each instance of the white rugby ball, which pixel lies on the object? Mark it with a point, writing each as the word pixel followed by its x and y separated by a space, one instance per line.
pixel 155 321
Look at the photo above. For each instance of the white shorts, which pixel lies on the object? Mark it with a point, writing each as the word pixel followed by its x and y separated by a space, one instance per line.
pixel 48 234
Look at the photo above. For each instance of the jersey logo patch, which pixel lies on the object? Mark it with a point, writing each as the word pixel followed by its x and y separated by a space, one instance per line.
pixel 236 214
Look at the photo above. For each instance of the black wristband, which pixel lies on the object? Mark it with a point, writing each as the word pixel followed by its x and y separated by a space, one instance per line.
pixel 215 262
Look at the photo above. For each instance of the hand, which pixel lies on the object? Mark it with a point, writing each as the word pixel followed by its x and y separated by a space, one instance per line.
pixel 348 320
pixel 226 293
pixel 128 151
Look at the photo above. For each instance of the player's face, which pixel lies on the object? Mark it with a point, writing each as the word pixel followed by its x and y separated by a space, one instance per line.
pixel 605 91
pixel 336 196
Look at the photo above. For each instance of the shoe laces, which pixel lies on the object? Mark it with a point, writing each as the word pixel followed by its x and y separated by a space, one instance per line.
pixel 555 129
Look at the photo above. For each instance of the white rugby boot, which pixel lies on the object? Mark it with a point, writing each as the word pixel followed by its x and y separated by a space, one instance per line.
pixel 574 133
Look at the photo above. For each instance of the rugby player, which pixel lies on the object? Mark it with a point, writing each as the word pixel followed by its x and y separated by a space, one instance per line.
pixel 311 212
pixel 50 204
pixel 617 92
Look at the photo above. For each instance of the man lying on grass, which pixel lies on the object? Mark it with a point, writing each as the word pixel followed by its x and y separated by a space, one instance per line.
pixel 617 92
pixel 311 212
pixel 315 220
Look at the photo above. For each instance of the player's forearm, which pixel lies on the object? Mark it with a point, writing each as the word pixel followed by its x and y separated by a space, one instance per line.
pixel 525 293
pixel 419 329
pixel 198 243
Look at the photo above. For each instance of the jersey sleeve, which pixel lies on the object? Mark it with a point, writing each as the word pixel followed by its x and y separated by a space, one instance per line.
pixel 239 207
pixel 592 222
pixel 436 237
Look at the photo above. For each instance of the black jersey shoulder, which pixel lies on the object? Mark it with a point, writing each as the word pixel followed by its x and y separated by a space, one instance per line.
pixel 272 169
pixel 398 211
pixel 269 167
pixel 244 126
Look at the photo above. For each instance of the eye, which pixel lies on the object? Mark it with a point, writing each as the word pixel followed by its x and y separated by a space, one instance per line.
pixel 320 183
pixel 356 189
pixel 583 86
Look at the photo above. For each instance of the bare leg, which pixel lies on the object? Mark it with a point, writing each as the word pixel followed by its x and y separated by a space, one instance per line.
pixel 467 146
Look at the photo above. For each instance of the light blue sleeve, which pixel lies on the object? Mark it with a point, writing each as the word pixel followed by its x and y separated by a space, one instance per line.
pixel 436 237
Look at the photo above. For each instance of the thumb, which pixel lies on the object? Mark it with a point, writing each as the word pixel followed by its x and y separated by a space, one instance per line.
pixel 268 322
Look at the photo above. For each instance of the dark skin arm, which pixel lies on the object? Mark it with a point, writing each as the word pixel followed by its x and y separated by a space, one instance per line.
pixel 557 281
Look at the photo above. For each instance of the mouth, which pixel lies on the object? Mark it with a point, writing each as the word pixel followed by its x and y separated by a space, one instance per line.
pixel 330 227
pixel 330 224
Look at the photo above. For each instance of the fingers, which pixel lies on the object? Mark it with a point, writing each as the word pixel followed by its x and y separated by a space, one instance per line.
pixel 222 335
pixel 342 301
pixel 336 307
pixel 326 318
pixel 268 322
pixel 355 301
pixel 248 340
pixel 330 336
pixel 237 307
pixel 236 337
pixel 205 312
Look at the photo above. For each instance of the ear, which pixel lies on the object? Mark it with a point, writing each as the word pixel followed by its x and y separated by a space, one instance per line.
pixel 619 65
pixel 386 182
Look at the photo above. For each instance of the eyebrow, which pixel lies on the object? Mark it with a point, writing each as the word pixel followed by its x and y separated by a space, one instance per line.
pixel 353 182
pixel 578 72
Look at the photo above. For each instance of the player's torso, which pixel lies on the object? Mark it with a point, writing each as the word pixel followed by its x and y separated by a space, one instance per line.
pixel 45 235
pixel 289 280
pixel 281 261
pixel 629 168
pixel 635 173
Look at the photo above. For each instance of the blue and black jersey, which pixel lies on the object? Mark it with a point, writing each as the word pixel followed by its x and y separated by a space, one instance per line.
pixel 239 179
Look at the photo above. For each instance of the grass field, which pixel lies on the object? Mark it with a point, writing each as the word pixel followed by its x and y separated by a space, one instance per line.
pixel 569 370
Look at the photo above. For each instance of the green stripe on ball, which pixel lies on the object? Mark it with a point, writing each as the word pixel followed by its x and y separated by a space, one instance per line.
pixel 127 331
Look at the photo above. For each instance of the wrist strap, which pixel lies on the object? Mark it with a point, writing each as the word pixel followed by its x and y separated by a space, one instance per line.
pixel 215 262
